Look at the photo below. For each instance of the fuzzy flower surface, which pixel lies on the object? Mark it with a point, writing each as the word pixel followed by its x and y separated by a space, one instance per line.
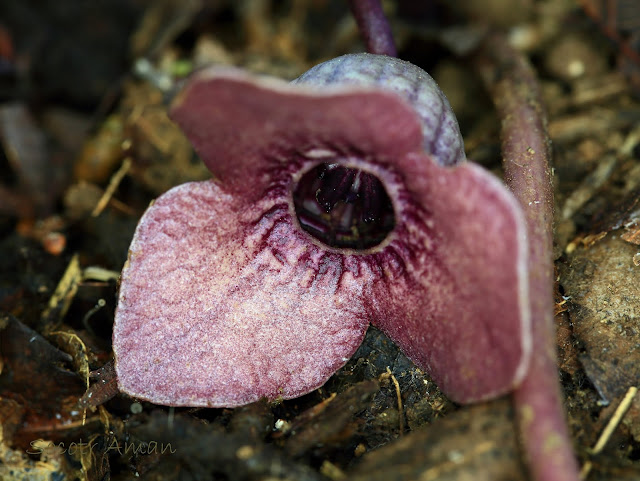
pixel 341 200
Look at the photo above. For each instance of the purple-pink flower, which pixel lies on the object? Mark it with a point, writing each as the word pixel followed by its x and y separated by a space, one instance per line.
pixel 332 207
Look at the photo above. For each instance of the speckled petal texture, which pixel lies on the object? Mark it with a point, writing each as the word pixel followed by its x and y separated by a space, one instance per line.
pixel 218 308
pixel 460 308
pixel 241 125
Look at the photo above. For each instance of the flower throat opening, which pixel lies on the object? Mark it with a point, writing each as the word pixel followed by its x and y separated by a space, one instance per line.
pixel 343 207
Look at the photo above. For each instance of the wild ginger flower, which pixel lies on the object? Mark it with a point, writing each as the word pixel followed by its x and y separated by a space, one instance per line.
pixel 333 206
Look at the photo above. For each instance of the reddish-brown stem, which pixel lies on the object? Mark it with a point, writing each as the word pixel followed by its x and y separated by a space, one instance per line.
pixel 525 149
pixel 374 26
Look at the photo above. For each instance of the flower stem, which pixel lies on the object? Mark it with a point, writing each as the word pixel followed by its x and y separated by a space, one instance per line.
pixel 374 26
pixel 512 84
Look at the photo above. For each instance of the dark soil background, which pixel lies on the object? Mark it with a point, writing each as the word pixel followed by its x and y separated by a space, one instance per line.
pixel 85 145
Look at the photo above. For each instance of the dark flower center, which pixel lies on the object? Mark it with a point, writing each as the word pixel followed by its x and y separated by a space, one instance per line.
pixel 343 207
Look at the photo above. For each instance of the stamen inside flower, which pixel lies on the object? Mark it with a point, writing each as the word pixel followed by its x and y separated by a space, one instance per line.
pixel 343 207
